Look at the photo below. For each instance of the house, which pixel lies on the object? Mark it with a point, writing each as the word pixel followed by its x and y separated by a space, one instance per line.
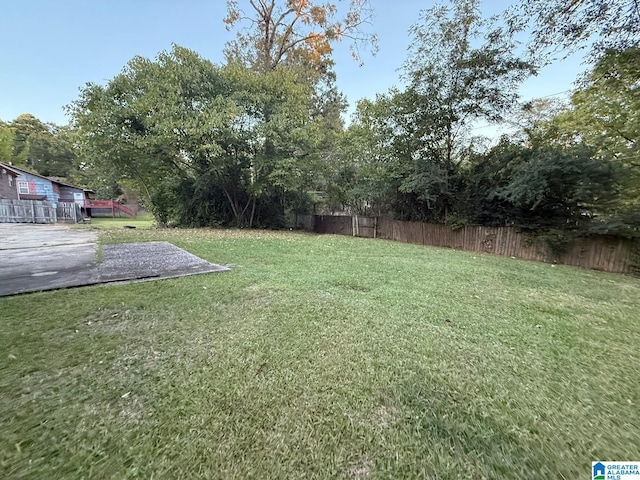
pixel 8 182
pixel 33 186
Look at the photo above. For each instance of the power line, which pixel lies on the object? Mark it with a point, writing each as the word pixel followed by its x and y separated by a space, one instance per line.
pixel 554 94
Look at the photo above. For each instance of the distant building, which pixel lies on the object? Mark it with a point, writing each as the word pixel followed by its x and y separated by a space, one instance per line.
pixel 33 186
pixel 8 182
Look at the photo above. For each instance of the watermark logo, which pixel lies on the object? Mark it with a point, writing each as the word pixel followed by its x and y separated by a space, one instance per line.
pixel 615 470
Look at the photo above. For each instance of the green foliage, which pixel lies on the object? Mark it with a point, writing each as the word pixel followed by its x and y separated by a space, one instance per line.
pixel 25 126
pixel 409 147
pixel 553 186
pixel 243 144
pixel 538 187
pixel 52 153
pixel 47 149
pixel 557 25
pixel 181 123
pixel 6 143
pixel 364 178
pixel 635 257
pixel 606 117
pixel 557 242
pixel 462 68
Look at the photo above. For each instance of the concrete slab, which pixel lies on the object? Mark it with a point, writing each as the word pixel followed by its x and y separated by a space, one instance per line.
pixel 45 257
pixel 46 268
pixel 27 235
pixel 151 260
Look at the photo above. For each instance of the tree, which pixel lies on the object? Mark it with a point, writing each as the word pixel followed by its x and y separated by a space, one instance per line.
pixel 44 147
pixel 25 126
pixel 539 186
pixel 203 144
pixel 564 188
pixel 573 24
pixel 606 107
pixel 51 152
pixel 6 142
pixel 461 69
pixel 534 116
pixel 605 116
pixel 295 31
pixel 365 180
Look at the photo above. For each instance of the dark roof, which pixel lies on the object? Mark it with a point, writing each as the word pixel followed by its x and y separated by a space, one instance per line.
pixel 21 171
pixel 9 168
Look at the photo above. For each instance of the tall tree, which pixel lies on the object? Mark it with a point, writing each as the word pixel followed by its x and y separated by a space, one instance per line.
pixel 52 152
pixel 182 129
pixel 605 116
pixel 6 142
pixel 462 68
pixel 295 31
pixel 25 127
pixel 298 36
pixel 573 24
pixel 365 179
pixel 44 147
pixel 606 107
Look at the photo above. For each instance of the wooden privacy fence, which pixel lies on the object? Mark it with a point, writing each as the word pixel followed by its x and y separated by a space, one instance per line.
pixel 69 212
pixel 602 252
pixel 38 211
pixel 27 211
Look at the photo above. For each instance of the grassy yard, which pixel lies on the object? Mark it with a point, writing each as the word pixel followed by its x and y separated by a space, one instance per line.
pixel 323 357
pixel 143 220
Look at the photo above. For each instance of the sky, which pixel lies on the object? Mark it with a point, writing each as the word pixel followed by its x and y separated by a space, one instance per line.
pixel 49 49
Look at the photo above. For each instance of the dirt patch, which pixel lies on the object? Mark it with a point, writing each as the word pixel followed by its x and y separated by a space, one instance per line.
pixel 360 469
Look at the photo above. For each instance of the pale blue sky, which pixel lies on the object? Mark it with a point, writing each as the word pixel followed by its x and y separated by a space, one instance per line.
pixel 48 49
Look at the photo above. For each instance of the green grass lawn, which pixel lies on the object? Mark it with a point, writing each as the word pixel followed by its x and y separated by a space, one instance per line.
pixel 143 220
pixel 323 357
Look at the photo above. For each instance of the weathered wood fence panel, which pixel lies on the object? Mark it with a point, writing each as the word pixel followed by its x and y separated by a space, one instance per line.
pixel 329 224
pixel 606 253
pixel 27 211
pixel 69 212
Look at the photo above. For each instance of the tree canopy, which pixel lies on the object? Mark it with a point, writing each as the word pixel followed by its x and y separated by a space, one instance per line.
pixel 600 25
pixel 296 31
pixel 461 68
pixel 254 140
pixel 181 122
pixel 46 148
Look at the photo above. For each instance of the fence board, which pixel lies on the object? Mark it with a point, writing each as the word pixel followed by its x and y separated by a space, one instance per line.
pixel 306 222
pixel 606 253
pixel 340 225
pixel 69 212
pixel 26 211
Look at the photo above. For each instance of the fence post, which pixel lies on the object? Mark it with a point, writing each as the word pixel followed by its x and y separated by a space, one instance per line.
pixel 375 227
